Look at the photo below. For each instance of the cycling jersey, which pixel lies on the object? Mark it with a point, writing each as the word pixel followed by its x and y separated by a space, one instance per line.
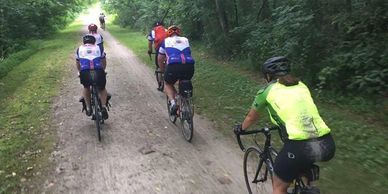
pixel 292 108
pixel 151 35
pixel 177 50
pixel 89 57
pixel 99 41
pixel 102 18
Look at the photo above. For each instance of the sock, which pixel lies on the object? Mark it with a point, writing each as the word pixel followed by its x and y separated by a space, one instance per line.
pixel 172 102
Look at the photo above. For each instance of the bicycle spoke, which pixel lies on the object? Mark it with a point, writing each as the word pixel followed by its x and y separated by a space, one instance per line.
pixel 256 172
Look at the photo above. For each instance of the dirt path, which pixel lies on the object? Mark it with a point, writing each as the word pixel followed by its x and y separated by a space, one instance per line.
pixel 138 120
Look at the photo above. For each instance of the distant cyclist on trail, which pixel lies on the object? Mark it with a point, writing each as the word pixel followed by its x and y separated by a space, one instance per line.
pixel 89 57
pixel 155 38
pixel 101 18
pixel 289 103
pixel 176 61
pixel 99 39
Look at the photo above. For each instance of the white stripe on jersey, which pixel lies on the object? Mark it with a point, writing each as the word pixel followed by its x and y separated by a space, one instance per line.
pixel 89 52
pixel 177 42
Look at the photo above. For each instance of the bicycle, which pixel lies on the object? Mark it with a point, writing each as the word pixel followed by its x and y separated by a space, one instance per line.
pixel 185 110
pixel 159 75
pixel 95 104
pixel 263 168
pixel 102 25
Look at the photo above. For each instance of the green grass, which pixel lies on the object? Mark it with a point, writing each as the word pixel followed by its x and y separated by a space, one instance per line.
pixel 26 94
pixel 224 93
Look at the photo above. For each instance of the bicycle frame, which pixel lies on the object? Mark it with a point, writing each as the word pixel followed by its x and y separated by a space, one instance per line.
pixel 311 174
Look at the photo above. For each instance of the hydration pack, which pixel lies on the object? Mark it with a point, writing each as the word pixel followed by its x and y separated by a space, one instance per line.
pixel 160 35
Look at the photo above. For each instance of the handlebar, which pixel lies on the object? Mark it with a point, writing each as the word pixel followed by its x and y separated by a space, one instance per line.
pixel 262 130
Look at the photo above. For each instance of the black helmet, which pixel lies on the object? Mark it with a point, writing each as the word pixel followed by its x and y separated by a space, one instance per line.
pixel 89 39
pixel 276 66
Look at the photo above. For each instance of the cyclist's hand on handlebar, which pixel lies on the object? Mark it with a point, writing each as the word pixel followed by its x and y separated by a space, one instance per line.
pixel 238 129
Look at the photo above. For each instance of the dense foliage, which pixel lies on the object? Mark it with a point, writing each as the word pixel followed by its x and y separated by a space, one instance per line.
pixel 27 19
pixel 336 44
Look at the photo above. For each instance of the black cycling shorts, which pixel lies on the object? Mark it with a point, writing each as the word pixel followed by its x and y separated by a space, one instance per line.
pixel 100 78
pixel 297 156
pixel 175 72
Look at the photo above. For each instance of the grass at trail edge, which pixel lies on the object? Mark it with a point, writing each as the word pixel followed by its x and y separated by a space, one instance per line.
pixel 223 93
pixel 26 94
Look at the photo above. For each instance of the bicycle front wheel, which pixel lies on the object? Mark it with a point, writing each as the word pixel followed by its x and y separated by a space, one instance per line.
pixel 257 171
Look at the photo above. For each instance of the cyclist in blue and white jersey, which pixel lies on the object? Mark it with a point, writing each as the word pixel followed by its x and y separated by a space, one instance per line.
pixel 175 52
pixel 90 57
pixel 99 39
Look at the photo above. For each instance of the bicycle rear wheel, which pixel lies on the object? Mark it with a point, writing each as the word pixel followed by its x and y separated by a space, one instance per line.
pixel 257 172
pixel 171 117
pixel 97 113
pixel 187 124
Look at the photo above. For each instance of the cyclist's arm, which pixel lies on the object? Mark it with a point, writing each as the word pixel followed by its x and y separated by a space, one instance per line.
pixel 150 45
pixel 161 61
pixel 77 64
pixel 251 118
pixel 150 40
pixel 162 56
pixel 258 105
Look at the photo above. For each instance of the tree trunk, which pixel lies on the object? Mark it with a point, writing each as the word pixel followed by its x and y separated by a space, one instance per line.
pixel 263 11
pixel 221 16
pixel 236 12
pixel 349 6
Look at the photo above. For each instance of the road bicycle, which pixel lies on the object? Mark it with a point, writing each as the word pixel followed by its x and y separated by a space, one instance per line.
pixel 95 104
pixel 102 25
pixel 258 166
pixel 185 111
pixel 159 75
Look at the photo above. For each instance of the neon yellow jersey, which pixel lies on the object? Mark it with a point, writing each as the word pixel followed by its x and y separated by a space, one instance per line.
pixel 292 108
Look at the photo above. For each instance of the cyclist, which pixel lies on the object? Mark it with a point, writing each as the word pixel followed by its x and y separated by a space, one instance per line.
pixel 156 37
pixel 289 103
pixel 90 57
pixel 99 39
pixel 101 17
pixel 175 54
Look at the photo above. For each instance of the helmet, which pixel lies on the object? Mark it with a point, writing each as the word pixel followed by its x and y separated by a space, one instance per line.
pixel 276 66
pixel 158 23
pixel 89 39
pixel 92 27
pixel 173 29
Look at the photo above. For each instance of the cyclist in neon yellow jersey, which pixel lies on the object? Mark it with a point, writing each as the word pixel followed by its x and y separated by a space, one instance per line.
pixel 289 103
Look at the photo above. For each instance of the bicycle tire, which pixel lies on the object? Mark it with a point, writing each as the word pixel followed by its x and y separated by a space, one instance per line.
pixel 97 113
pixel 187 124
pixel 256 171
pixel 159 79
pixel 172 118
